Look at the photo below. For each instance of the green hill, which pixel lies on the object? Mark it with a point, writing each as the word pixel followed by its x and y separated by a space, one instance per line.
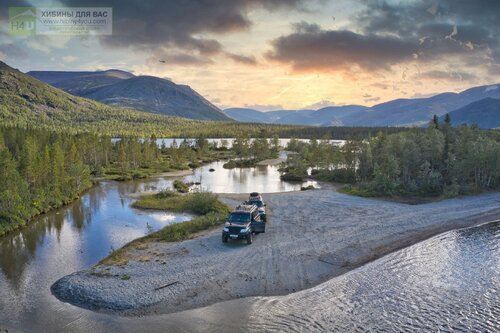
pixel 28 102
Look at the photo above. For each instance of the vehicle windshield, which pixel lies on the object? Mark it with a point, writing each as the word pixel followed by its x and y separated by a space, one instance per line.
pixel 239 217
pixel 258 203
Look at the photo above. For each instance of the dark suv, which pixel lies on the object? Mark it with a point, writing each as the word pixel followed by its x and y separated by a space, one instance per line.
pixel 242 223
pixel 256 199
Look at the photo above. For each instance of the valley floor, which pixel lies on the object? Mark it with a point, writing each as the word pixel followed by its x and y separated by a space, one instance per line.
pixel 311 237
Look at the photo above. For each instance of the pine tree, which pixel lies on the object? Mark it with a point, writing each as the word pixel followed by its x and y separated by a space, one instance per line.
pixel 447 119
pixel 434 122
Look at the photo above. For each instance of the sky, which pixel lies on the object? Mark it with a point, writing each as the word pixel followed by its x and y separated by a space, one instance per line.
pixel 281 54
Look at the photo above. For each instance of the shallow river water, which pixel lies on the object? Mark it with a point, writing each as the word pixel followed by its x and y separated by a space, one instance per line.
pixel 448 283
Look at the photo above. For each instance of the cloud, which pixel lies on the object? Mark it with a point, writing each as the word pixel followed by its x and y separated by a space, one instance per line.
pixel 367 98
pixel 406 18
pixel 178 24
pixel 311 48
pixel 165 57
pixel 387 33
pixel 321 104
pixel 242 59
pixel 69 58
pixel 379 85
pixel 12 51
pixel 264 107
pixel 4 9
pixel 446 26
pixel 447 76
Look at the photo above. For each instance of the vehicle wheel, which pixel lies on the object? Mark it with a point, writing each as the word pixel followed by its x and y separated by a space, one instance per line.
pixel 224 239
pixel 249 239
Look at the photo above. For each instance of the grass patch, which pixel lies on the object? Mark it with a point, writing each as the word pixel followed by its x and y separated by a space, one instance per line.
pixel 180 186
pixel 200 203
pixel 211 213
pixel 125 277
pixel 354 190
pixel 185 230
pixel 406 199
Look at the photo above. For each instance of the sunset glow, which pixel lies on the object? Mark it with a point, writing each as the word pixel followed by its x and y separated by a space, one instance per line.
pixel 283 54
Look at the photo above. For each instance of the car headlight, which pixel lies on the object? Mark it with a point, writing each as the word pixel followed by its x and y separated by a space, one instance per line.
pixel 226 229
pixel 244 230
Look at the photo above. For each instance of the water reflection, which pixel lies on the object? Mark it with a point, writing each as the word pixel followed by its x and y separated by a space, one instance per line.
pixel 265 178
pixel 228 142
pixel 77 236
pixel 101 219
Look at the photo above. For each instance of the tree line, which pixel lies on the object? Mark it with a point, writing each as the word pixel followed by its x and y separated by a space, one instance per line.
pixel 41 170
pixel 435 161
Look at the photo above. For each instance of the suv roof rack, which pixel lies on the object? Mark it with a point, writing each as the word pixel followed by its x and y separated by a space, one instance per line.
pixel 245 208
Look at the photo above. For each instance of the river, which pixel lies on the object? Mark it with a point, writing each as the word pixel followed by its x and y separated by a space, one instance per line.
pixel 448 282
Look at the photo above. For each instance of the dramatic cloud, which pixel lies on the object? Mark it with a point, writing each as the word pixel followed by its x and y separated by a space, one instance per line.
pixel 406 18
pixel 459 27
pixel 159 23
pixel 311 48
pixel 387 33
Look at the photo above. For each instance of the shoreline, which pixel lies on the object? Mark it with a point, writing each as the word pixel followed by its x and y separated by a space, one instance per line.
pixel 96 182
pixel 288 258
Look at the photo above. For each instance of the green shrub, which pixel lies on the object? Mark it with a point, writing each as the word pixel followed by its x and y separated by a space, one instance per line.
pixel 346 176
pixel 196 202
pixel 239 164
pixel 293 174
pixel 166 193
pixel 181 231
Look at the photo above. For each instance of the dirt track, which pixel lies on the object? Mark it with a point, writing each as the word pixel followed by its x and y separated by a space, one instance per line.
pixel 312 236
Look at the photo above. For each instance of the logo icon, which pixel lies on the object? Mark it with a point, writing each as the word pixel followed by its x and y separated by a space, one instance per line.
pixel 22 21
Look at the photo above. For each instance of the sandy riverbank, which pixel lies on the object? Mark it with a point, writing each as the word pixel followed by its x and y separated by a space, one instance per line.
pixel 312 236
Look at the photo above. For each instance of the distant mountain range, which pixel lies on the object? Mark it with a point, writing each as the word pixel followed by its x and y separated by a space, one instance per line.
pixel 143 93
pixel 477 105
pixel 473 105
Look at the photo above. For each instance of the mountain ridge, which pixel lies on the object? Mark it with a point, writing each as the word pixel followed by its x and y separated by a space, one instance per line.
pixel 143 93
pixel 485 113
pixel 398 112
